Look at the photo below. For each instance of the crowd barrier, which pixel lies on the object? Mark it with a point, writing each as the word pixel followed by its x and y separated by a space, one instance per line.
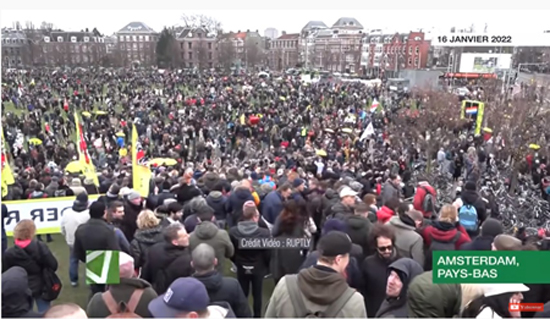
pixel 46 213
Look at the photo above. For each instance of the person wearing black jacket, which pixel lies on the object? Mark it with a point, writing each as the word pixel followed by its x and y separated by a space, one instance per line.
pixel 218 203
pixel 168 260
pixel 132 207
pixel 219 288
pixel 489 230
pixel 470 196
pixel 95 234
pixel 359 228
pixel 32 255
pixel 252 264
pixel 16 296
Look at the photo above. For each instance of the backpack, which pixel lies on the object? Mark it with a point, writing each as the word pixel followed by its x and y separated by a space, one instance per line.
pixel 467 215
pixel 122 307
pixel 428 203
pixel 60 193
pixel 52 285
pixel 300 308
pixel 445 245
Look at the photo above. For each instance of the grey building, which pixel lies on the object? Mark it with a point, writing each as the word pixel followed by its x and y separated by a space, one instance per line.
pixel 15 49
pixel 197 47
pixel 136 43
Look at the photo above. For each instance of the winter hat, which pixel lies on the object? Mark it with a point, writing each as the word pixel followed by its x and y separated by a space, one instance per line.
pixel 470 186
pixel 82 198
pixel 97 210
pixel 491 227
pixel 114 190
pixel 334 243
pixel 297 182
pixel 356 186
pixel 334 224
pixel 125 191
pixel 125 265
pixel 254 176
pixel 507 243
pixel 133 195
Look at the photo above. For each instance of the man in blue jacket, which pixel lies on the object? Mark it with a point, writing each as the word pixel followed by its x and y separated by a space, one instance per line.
pixel 273 203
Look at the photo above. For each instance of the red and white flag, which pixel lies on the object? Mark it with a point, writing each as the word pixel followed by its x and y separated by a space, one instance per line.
pixel 374 105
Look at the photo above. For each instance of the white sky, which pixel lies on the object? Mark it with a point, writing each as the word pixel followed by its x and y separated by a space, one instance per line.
pixel 287 15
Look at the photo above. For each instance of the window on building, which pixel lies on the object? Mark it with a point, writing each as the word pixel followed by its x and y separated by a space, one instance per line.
pixel 209 55
pixel 146 38
pixel 190 64
pixel 121 38
pixel 134 46
pixel 209 46
pixel 410 61
pixel 127 38
pixel 189 45
pixel 210 64
pixel 416 62
pixel 416 50
pixel 190 55
pixel 134 38
pixel 410 50
pixel 140 38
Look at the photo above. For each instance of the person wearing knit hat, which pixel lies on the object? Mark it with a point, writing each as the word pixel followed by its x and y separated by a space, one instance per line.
pixel 127 289
pixel 471 199
pixel 489 230
pixel 334 225
pixel 320 285
pixel 506 243
pixel 72 218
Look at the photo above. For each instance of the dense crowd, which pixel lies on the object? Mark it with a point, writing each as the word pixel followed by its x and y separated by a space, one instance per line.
pixel 246 157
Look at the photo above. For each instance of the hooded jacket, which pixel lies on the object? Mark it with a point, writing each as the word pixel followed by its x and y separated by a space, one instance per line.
pixel 319 286
pixel 143 239
pixel 408 242
pixel 389 191
pixel 471 197
pixel 226 289
pixel 17 300
pixel 34 257
pixel 442 232
pixel 428 300
pixel 340 211
pixel 384 214
pixel 218 203
pixel 392 307
pixel 374 269
pixel 235 204
pixel 122 292
pixel 272 206
pixel 128 224
pixel 259 258
pixel 359 230
pixel 207 232
pixel 164 264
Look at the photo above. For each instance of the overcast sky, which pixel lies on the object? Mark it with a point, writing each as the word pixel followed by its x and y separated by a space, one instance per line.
pixel 287 15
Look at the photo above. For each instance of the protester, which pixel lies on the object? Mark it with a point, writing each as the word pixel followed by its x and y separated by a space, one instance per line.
pixel 218 202
pixel 344 208
pixel 95 234
pixel 66 310
pixel 208 232
pixel 321 288
pixel 130 295
pixel 188 298
pixel 495 302
pixel 408 242
pixel 375 267
pixel 224 289
pixel 273 203
pixel 149 232
pixel 489 230
pixel 359 228
pixel 78 215
pixel 252 264
pixel 401 273
pixel 473 210
pixel 370 200
pixel 175 213
pixel 391 189
pixel 132 207
pixel 32 255
pixel 17 297
pixel 428 300
pixel 425 199
pixel 388 210
pixel 506 243
pixel 168 260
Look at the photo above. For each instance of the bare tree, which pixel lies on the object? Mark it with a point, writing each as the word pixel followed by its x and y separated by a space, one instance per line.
pixel 201 20
pixel 201 53
pixel 254 53
pixel 47 26
pixel 227 53
pixel 29 25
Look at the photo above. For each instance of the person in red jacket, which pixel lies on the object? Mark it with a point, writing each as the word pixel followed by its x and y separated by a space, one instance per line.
pixel 422 189
pixel 387 211
pixel 443 230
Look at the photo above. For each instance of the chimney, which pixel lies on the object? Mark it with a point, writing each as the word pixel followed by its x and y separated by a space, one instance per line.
pixel 239 31
pixel 257 31
pixel 284 32
pixel 247 30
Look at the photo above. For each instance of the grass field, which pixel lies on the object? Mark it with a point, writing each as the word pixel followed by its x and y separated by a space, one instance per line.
pixel 81 294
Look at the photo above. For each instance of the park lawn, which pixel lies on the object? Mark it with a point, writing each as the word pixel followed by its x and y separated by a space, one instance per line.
pixel 80 295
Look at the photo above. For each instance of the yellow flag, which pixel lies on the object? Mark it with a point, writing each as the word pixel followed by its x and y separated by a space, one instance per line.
pixel 83 156
pixel 7 175
pixel 141 175
pixel 243 120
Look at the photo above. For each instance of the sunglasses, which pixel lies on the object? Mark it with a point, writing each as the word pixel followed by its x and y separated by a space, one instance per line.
pixel 385 248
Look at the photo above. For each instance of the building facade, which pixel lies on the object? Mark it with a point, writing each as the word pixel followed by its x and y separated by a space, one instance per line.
pixel 15 49
pixel 197 47
pixel 136 44
pixel 284 52
pixel 242 49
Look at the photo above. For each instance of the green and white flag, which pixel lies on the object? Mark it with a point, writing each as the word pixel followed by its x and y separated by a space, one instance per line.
pixel 102 267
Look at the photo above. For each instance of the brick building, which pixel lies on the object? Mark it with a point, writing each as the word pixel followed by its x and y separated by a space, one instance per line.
pixel 393 52
pixel 136 44
pixel 15 49
pixel 284 51
pixel 197 47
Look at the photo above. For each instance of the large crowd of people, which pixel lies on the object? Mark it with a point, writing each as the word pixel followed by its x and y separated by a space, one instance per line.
pixel 246 157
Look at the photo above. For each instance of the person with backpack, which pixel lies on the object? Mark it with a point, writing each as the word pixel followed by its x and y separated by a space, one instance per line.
pixel 36 258
pixel 321 290
pixel 425 199
pixel 76 216
pixel 446 233
pixel 473 211
pixel 131 295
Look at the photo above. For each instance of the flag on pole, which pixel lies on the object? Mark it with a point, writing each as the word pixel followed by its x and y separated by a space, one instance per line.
pixel 83 156
pixel 141 175
pixel 369 130
pixel 7 175
pixel 374 105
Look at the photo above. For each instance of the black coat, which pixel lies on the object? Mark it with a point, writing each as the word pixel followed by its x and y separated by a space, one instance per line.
pixel 95 234
pixel 164 264
pixel 129 224
pixel 375 275
pixel 143 239
pixel 17 300
pixel 218 204
pixel 226 289
pixel 479 243
pixel 34 259
pixel 185 193
pixel 469 197
pixel 259 258
pixel 359 230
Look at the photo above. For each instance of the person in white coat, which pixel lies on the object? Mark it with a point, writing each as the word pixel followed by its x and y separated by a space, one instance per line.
pixel 498 301
pixel 72 218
